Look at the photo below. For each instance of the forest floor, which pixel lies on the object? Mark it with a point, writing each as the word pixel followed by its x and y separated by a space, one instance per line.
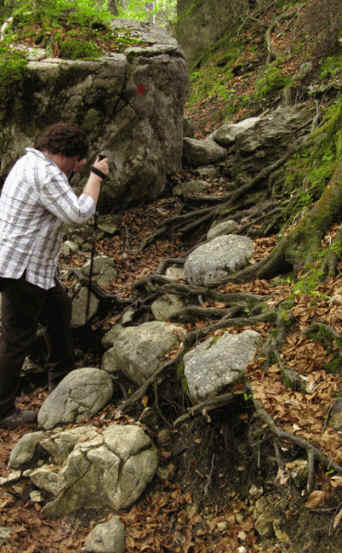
pixel 169 517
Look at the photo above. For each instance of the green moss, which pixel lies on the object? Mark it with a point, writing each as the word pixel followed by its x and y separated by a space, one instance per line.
pixel 272 80
pixel 59 13
pixel 73 48
pixel 331 67
pixel 334 366
pixel 309 170
pixel 181 377
pixel 12 68
pixel 319 332
pixel 69 29
pixel 214 73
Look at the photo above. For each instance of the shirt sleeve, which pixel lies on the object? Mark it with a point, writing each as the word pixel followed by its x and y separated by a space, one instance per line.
pixel 57 196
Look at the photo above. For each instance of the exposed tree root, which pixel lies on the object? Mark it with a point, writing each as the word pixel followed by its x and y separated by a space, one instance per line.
pixel 204 407
pixel 227 322
pixel 141 391
pixel 191 311
pixel 274 342
pixel 228 204
pixel 169 261
pixel 312 452
pixel 326 332
pixel 160 373
pixel 163 284
pixel 334 255
pixel 269 214
pixel 271 55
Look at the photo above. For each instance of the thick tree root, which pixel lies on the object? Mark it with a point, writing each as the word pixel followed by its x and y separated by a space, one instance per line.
pixel 160 373
pixel 193 311
pixel 228 322
pixel 228 204
pixel 313 453
pixel 204 407
pixel 141 391
pixel 267 268
pixel 168 285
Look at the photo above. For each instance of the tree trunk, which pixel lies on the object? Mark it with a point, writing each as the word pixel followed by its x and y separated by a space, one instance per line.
pixel 300 245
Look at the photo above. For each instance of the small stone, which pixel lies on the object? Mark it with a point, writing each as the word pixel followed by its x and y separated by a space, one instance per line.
pixel 5 534
pixel 191 510
pixel 239 518
pixel 166 473
pixel 175 273
pixel 18 489
pixel 108 228
pixel 254 491
pixel 221 526
pixel 12 477
pixel 164 436
pixel 36 496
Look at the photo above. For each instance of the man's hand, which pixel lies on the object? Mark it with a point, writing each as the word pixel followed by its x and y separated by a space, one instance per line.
pixel 101 163
pixel 98 172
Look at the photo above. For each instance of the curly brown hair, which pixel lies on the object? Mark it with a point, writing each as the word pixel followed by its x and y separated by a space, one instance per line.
pixel 63 138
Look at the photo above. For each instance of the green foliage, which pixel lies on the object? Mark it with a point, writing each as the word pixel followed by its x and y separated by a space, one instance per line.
pixel 73 48
pixel 53 24
pixel 308 283
pixel 271 81
pixel 328 138
pixel 67 28
pixel 60 13
pixel 12 67
pixel 310 169
pixel 213 77
pixel 181 377
pixel 160 11
pixel 331 67
pixel 209 83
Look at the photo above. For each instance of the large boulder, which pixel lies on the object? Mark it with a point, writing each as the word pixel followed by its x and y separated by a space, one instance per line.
pixel 102 270
pixel 131 105
pixel 257 143
pixel 200 23
pixel 86 468
pixel 202 152
pixel 227 133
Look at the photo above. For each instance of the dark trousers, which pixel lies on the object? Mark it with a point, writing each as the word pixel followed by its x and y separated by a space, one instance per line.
pixel 24 306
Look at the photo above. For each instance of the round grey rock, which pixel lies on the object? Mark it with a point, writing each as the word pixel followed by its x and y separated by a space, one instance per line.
pixel 214 260
pixel 108 537
pixel 81 394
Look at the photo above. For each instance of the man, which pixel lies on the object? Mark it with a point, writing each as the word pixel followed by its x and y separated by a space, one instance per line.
pixel 36 200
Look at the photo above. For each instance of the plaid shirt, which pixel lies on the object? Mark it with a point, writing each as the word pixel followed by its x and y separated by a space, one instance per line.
pixel 36 200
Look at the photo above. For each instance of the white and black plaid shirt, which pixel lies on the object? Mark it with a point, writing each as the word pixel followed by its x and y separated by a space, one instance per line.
pixel 36 200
